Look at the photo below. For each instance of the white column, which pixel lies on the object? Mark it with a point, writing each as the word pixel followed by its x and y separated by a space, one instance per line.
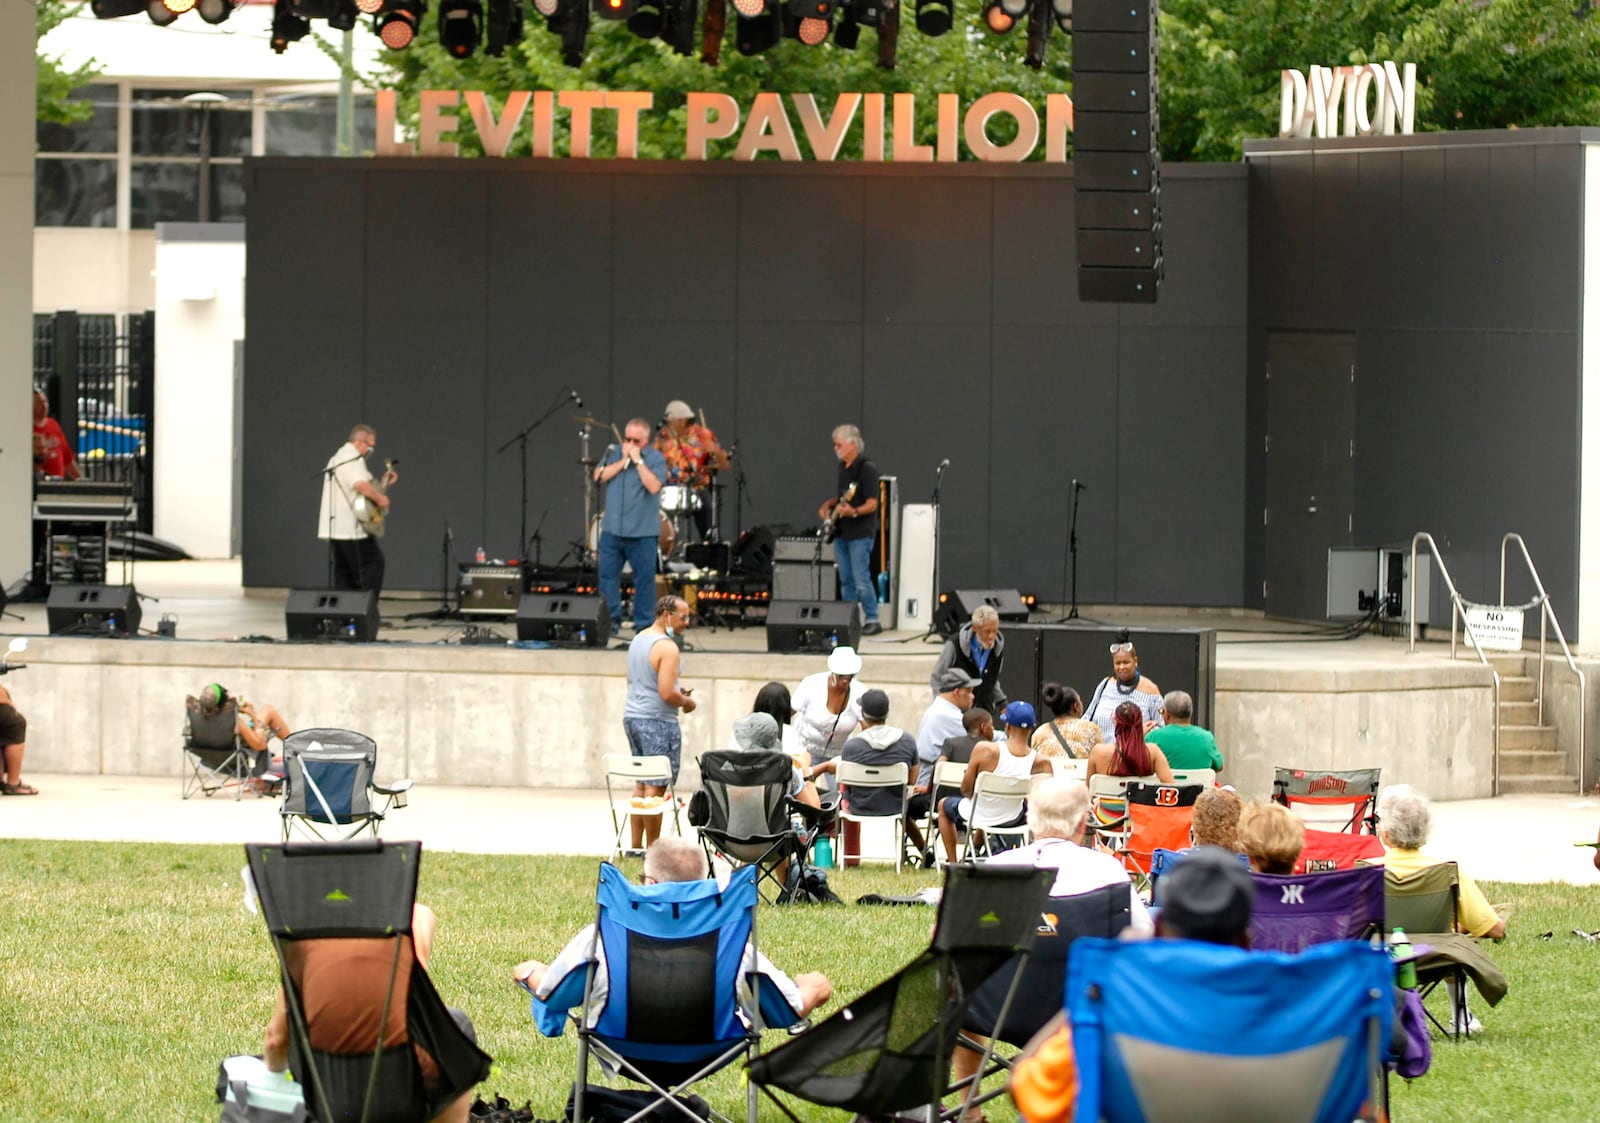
pixel 16 286
pixel 1589 392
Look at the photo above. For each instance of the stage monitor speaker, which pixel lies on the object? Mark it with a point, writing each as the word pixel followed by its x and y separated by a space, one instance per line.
pixel 957 605
pixel 1117 156
pixel 754 551
pixel 1080 657
pixel 350 615
pixel 815 627
pixel 93 610
pixel 564 620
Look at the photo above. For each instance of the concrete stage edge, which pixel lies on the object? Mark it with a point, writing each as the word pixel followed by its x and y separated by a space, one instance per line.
pixel 498 717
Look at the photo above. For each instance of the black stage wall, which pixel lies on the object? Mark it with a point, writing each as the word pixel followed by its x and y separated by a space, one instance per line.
pixel 1449 269
pixel 448 301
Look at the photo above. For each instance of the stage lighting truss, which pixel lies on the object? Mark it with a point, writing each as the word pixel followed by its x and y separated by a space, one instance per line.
pixel 460 27
pixel 935 17
pixel 1038 33
pixel 397 22
pixel 505 26
pixel 286 26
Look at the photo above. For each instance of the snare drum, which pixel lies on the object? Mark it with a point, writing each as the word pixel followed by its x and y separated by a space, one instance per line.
pixel 679 500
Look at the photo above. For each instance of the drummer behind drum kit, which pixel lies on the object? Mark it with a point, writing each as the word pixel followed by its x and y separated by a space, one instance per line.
pixel 678 504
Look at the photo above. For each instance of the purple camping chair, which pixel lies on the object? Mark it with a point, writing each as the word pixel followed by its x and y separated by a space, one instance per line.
pixel 1294 911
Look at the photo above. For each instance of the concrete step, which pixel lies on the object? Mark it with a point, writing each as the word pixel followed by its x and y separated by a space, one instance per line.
pixel 1519 713
pixel 1540 782
pixel 1518 688
pixel 1508 662
pixel 1527 737
pixel 1532 762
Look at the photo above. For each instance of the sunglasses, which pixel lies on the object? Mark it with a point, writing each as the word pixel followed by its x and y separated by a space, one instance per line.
pixel 1116 647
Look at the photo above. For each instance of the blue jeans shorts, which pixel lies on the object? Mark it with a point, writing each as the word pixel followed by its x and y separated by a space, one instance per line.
pixel 655 736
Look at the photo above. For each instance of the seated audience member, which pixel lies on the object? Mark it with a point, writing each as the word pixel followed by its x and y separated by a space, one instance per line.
pixel 1011 757
pixel 1271 836
pixel 773 699
pixel 1216 819
pixel 979 725
pixel 941 721
pixel 758 733
pixel 13 743
pixel 1208 897
pixel 668 859
pixel 1185 744
pixel 256 725
pixel 1058 812
pixel 343 984
pixel 1405 819
pixel 1067 728
pixel 876 743
pixel 1129 754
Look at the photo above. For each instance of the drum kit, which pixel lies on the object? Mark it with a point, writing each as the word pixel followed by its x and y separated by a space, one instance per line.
pixel 679 504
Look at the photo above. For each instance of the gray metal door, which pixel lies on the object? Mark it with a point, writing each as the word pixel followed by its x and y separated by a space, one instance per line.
pixel 1311 422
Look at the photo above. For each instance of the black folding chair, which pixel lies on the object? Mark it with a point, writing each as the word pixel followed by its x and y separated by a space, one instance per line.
pixel 888 1052
pixel 362 890
pixel 751 819
pixel 216 755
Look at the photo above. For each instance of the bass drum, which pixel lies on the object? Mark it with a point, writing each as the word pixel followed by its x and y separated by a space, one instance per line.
pixel 666 536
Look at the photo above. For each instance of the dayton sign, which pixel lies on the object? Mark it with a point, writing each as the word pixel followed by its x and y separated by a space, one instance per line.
pixel 768 124
pixel 1376 98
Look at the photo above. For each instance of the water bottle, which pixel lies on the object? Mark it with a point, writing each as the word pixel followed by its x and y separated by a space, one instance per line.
pixel 481 556
pixel 823 852
pixel 883 587
pixel 1400 948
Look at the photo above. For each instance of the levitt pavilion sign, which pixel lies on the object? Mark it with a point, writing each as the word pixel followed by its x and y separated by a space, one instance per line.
pixel 767 124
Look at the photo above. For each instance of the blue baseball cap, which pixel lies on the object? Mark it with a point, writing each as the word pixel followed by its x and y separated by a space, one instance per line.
pixel 1020 714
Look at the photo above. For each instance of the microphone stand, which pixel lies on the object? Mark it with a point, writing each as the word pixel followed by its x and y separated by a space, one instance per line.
pixel 328 490
pixel 522 440
pixel 1072 554
pixel 447 551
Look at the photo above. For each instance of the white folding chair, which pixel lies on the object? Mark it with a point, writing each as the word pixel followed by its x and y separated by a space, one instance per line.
pixel 997 801
pixel 629 770
pixel 1075 767
pixel 1205 777
pixel 856 776
pixel 947 778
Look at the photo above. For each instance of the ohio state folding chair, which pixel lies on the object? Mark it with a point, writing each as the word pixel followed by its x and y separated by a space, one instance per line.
pixel 1336 800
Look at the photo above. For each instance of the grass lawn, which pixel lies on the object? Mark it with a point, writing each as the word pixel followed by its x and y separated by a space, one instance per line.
pixel 131 970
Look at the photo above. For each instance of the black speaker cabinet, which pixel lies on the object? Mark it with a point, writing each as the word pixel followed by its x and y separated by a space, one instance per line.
pixel 956 607
pixel 754 551
pixel 812 626
pixel 332 614
pixel 562 619
pixel 98 610
pixel 1079 657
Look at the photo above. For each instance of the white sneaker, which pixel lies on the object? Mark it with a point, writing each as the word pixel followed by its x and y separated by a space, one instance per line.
pixel 1470 1026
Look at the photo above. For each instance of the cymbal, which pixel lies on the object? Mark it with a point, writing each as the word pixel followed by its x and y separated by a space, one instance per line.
pixel 593 422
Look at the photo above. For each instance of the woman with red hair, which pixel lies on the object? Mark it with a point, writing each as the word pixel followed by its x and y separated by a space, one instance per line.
pixel 1130 754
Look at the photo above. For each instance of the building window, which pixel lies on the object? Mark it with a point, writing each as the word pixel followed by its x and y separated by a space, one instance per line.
pixel 167 157
pixel 75 174
pixel 307 125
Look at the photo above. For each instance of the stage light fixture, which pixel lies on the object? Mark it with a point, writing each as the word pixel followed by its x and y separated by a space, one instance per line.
pixel 177 7
pixel 614 9
pixel 159 13
pixel 115 9
pixel 749 9
pixel 215 11
pixel 813 20
pixel 848 33
pixel 397 23
pixel 286 26
pixel 647 18
pixel 678 25
pixel 369 7
pixel 813 31
pixel 571 22
pixel 343 17
pixel 460 27
pixel 756 34
pixel 505 26
pixel 546 8
pixel 935 17
pixel 997 19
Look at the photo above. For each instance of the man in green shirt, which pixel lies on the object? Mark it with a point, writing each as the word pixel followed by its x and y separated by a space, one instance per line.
pixel 1185 744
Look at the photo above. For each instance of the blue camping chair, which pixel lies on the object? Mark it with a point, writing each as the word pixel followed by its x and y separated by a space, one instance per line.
pixel 1177 1030
pixel 672 1015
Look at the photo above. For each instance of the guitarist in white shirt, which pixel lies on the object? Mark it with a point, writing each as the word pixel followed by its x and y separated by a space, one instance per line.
pixel 352 498
pixel 851 523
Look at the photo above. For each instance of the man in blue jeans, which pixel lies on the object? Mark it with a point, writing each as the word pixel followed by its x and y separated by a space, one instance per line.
pixel 632 476
pixel 853 512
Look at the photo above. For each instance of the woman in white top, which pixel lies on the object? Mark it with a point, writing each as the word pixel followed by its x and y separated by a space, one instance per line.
pixel 827 708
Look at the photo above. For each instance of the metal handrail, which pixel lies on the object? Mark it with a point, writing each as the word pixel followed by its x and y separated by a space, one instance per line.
pixel 1547 615
pixel 1456 615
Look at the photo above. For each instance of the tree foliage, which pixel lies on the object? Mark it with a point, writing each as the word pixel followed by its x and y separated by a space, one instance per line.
pixel 1494 64
pixel 55 81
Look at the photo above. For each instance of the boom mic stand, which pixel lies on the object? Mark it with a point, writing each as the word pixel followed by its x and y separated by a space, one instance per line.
pixel 566 396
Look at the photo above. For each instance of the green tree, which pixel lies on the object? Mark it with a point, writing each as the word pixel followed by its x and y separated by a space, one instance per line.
pixel 56 82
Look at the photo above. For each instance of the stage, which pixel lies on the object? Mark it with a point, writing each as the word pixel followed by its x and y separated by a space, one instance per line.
pixel 483 715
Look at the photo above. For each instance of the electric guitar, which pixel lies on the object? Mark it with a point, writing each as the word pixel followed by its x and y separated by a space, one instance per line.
pixel 830 525
pixel 368 513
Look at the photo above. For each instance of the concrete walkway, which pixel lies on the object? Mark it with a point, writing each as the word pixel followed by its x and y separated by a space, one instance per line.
pixel 1524 838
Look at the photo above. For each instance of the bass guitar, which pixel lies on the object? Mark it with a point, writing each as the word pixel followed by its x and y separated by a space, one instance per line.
pixel 830 525
pixel 368 513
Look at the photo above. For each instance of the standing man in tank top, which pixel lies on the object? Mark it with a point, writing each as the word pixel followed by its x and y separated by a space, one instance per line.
pixel 650 714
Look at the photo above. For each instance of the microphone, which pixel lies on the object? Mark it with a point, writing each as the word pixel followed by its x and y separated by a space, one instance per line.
pixel 1079 486
pixel 394 461
pixel 577 401
pixel 943 464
